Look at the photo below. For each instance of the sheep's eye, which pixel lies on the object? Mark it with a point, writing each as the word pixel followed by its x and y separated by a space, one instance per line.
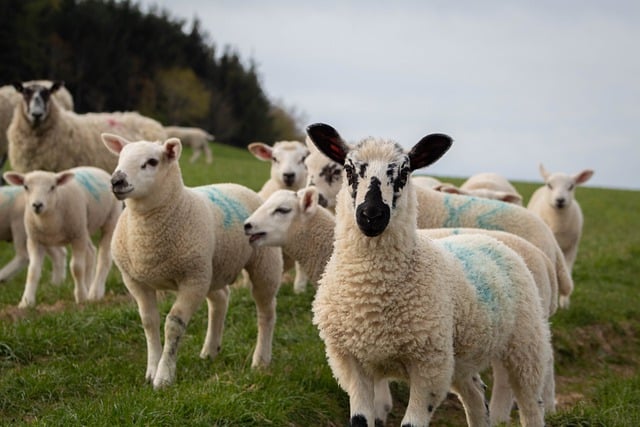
pixel 26 187
pixel 150 162
pixel 571 187
pixel 282 211
pixel 275 160
pixel 549 186
pixel 53 187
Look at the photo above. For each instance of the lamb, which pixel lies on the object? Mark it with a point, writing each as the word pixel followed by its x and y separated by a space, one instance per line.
pixel 556 204
pixel 304 230
pixel 194 137
pixel 393 303
pixel 67 208
pixel 12 200
pixel 189 240
pixel 42 136
pixel 426 181
pixel 324 174
pixel 9 98
pixel 487 185
pixel 288 171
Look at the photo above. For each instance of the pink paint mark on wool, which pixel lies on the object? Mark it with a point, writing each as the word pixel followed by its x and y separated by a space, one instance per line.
pixel 112 122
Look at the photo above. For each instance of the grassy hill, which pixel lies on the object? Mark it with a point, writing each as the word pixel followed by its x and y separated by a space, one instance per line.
pixel 68 364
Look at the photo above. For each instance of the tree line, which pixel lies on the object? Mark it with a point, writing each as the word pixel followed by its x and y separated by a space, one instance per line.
pixel 113 56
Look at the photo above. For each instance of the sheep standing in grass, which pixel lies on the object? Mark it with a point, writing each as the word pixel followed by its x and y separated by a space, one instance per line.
pixel 194 137
pixel 12 200
pixel 9 98
pixel 487 185
pixel 393 303
pixel 43 136
pixel 190 240
pixel 288 171
pixel 556 204
pixel 67 208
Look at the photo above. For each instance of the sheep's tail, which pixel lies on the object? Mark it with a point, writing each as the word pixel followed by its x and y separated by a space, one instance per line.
pixel 565 282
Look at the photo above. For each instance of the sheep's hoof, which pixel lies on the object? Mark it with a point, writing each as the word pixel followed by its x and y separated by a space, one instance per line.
pixel 25 303
pixel 159 384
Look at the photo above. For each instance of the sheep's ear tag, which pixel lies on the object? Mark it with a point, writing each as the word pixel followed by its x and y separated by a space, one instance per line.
pixel 428 150
pixel 328 141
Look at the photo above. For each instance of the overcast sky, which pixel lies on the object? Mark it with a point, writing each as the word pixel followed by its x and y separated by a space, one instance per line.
pixel 515 83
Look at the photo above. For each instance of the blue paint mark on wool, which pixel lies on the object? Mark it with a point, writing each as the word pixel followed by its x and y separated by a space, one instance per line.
pixel 9 194
pixel 91 183
pixel 232 210
pixel 456 213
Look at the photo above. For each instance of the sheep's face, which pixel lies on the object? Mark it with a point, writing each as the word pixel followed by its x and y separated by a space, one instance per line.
pixel 287 162
pixel 40 188
pixel 326 176
pixel 561 187
pixel 36 100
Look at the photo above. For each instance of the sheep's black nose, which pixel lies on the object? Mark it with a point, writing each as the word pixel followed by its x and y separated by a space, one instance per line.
pixel 560 202
pixel 289 178
pixel 248 227
pixel 37 206
pixel 118 179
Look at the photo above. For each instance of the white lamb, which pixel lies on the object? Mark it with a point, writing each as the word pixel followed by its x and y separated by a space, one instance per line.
pixel 42 136
pixel 189 240
pixel 393 303
pixel 12 200
pixel 556 204
pixel 194 137
pixel 288 171
pixel 66 208
pixel 324 174
pixel 487 185
pixel 9 98
pixel 304 230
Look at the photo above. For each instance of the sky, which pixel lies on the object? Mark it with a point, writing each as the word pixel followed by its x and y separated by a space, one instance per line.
pixel 514 83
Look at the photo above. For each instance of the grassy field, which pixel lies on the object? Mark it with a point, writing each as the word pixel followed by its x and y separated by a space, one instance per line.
pixel 68 364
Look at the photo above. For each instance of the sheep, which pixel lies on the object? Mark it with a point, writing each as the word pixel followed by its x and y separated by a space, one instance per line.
pixel 194 137
pixel 556 204
pixel 304 230
pixel 393 303
pixel 488 185
pixel 9 98
pixel 426 181
pixel 189 240
pixel 438 209
pixel 66 208
pixel 12 200
pixel 324 174
pixel 288 171
pixel 42 136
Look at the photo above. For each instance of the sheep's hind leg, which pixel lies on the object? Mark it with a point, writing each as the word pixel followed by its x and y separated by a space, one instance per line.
pixel 58 255
pixel 96 290
pixel 471 390
pixel 501 395
pixel 82 259
pixel 217 303
pixel 382 402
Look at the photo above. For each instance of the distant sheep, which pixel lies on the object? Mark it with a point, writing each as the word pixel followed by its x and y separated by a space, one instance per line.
pixel 426 181
pixel 555 203
pixel 324 174
pixel 9 98
pixel 66 208
pixel 42 136
pixel 189 240
pixel 194 137
pixel 487 185
pixel 12 200
pixel 393 303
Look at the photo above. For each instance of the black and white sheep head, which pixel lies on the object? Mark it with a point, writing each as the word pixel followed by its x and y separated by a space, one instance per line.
pixel 377 171
pixel 36 100
pixel 142 165
pixel 40 188
pixel 269 225
pixel 561 187
pixel 287 162
pixel 324 174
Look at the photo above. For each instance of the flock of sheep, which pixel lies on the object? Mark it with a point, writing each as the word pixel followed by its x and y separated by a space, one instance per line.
pixel 416 280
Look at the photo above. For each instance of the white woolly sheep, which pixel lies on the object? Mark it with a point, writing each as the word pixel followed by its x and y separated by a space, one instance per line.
pixel 393 303
pixel 12 200
pixel 304 230
pixel 42 136
pixel 556 204
pixel 189 240
pixel 426 181
pixel 194 137
pixel 66 208
pixel 488 185
pixel 324 174
pixel 9 98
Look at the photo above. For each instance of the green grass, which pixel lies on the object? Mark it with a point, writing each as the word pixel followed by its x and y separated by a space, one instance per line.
pixel 68 364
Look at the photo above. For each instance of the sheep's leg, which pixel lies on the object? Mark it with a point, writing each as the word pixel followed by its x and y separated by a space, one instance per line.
pixel 382 400
pixel 264 290
pixel 96 291
pixel 58 255
pixel 549 389
pixel 16 264
pixel 207 152
pixel 36 256
pixel 218 303
pixel 300 282
pixel 501 395
pixel 195 155
pixel 188 299
pixel 427 392
pixel 470 390
pixel 80 257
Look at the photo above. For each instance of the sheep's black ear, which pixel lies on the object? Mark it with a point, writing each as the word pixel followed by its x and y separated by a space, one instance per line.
pixel 428 150
pixel 18 86
pixel 328 141
pixel 56 86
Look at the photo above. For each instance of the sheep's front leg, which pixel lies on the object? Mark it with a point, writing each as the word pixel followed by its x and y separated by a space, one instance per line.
pixel 82 257
pixel 36 255
pixel 265 300
pixel 96 290
pixel 382 401
pixel 429 384
pixel 188 299
pixel 218 303
pixel 300 282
